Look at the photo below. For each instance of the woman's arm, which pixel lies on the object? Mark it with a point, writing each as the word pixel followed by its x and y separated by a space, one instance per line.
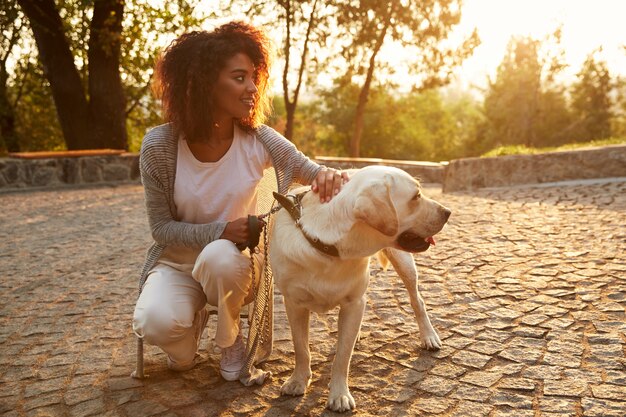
pixel 325 181
pixel 165 229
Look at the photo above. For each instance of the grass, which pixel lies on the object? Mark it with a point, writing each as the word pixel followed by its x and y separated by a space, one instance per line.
pixel 524 150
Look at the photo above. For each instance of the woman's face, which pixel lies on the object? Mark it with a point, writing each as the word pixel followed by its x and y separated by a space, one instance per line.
pixel 235 92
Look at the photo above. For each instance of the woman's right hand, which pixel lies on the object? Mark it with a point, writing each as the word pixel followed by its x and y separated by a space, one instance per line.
pixel 236 231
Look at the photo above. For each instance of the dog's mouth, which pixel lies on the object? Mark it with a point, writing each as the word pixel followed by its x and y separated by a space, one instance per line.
pixel 411 242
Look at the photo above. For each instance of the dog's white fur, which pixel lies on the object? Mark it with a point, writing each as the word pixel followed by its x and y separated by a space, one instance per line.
pixel 367 216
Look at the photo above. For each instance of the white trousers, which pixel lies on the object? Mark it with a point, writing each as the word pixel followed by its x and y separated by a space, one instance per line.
pixel 167 311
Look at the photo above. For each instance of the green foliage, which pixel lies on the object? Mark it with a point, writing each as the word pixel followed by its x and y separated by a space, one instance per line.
pixel 524 105
pixel 591 100
pixel 37 125
pixel 618 123
pixel 415 126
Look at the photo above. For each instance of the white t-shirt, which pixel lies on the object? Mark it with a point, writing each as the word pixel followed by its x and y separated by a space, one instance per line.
pixel 224 190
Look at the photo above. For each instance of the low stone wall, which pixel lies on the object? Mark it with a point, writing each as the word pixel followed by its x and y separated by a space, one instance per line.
pixel 427 172
pixel 460 174
pixel 16 174
pixel 504 171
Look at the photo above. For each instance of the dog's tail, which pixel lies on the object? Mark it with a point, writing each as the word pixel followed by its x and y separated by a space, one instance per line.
pixel 383 260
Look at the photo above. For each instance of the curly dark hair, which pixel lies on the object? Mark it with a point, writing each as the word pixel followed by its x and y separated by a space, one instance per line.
pixel 188 68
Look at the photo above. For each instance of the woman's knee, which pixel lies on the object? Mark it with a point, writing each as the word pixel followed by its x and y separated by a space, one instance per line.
pixel 219 259
pixel 158 325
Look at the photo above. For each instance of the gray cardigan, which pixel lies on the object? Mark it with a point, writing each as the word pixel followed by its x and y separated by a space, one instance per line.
pixel 157 164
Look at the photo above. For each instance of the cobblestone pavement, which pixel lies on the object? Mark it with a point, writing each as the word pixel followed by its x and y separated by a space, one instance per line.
pixel 526 287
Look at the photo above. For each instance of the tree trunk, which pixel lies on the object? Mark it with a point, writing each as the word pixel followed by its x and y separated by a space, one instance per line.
pixel 355 141
pixel 58 64
pixel 291 116
pixel 7 116
pixel 107 105
pixel 290 105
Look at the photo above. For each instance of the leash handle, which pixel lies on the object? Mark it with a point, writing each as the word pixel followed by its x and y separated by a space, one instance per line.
pixel 255 226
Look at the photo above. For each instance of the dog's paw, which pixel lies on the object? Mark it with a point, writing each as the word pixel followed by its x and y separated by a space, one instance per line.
pixel 430 340
pixel 341 401
pixel 295 386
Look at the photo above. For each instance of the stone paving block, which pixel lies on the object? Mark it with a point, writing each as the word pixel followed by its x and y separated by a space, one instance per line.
pixel 567 387
pixel 42 400
pixel 471 409
pixel 471 393
pixel 94 407
pixel 471 359
pixel 521 384
pixel 602 408
pixel 437 385
pixel 609 391
pixel 482 378
pixel 79 395
pixel 616 377
pixel 512 399
pixel 432 405
pixel 448 370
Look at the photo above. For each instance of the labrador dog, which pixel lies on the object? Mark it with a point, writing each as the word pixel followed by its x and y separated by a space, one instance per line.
pixel 380 208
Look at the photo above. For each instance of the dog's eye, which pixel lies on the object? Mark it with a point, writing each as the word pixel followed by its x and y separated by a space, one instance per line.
pixel 417 196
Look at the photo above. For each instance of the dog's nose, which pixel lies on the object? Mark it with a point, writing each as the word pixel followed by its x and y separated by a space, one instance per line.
pixel 446 213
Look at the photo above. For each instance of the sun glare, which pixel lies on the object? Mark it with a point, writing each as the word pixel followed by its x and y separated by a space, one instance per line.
pixel 586 26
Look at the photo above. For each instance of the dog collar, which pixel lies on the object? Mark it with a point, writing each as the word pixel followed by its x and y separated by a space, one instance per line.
pixel 294 208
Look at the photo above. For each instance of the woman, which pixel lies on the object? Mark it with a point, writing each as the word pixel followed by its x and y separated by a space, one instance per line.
pixel 200 172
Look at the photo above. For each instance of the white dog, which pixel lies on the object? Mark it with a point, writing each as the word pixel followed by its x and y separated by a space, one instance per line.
pixel 322 261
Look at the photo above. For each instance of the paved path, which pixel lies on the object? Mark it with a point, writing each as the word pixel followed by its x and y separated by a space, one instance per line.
pixel 526 288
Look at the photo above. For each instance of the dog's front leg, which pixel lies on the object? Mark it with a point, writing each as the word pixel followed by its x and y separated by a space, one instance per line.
pixel 405 267
pixel 299 322
pixel 350 317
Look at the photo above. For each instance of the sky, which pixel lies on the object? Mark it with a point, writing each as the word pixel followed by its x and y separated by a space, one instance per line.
pixel 586 25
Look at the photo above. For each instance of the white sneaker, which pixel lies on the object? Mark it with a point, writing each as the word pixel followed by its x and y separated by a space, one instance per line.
pixel 233 358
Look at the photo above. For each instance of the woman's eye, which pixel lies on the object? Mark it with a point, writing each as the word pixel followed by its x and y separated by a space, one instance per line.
pixel 240 78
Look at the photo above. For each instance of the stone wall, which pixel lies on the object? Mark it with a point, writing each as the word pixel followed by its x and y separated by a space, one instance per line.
pixel 16 174
pixel 460 174
pixel 427 172
pixel 504 171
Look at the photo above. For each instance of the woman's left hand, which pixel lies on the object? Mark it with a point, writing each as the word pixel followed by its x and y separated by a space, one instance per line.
pixel 328 183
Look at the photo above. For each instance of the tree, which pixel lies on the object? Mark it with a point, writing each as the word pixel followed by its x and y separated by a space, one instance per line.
pixel 304 26
pixel 591 100
pixel 95 119
pixel 11 28
pixel 421 27
pixel 525 105
pixel 292 11
pixel 98 57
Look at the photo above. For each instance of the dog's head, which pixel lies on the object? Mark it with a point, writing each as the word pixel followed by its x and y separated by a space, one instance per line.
pixel 391 201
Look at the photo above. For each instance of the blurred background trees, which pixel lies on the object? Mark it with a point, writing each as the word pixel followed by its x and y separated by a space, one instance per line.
pixel 336 91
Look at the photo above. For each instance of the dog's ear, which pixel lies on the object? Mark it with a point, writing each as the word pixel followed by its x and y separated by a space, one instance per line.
pixel 374 207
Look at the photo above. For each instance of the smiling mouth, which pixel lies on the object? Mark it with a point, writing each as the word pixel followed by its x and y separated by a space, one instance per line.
pixel 248 102
pixel 411 242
